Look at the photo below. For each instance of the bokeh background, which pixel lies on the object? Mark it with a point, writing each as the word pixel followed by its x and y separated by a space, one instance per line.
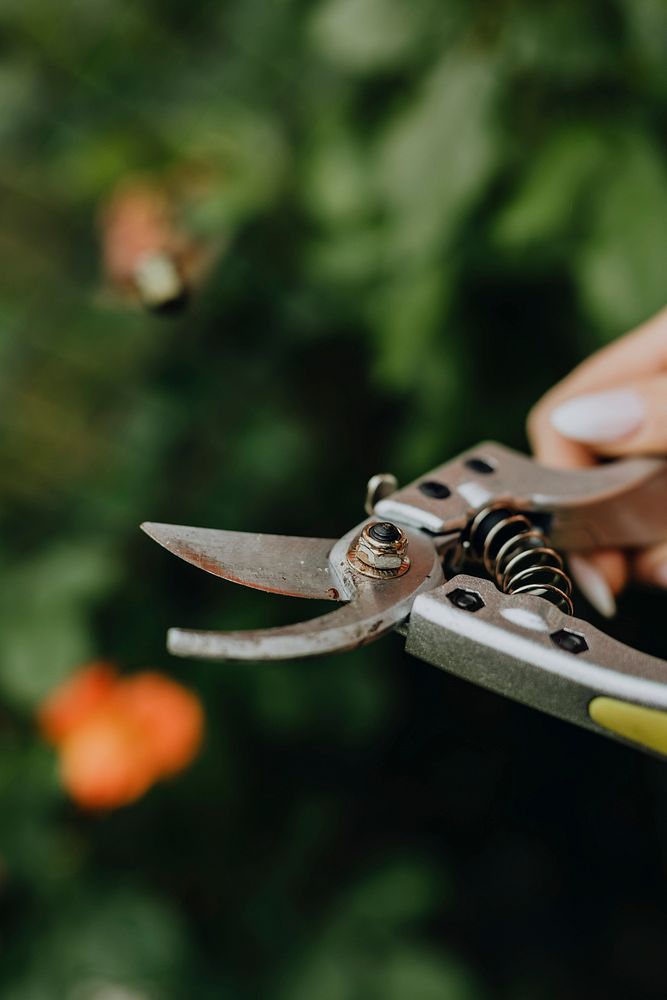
pixel 427 213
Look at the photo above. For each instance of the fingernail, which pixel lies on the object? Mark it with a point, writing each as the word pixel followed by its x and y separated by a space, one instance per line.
pixel 601 416
pixel 593 585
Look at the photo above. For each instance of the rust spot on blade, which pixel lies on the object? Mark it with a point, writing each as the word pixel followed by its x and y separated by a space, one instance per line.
pixel 199 559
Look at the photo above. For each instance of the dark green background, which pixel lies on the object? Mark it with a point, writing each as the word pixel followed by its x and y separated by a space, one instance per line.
pixel 431 211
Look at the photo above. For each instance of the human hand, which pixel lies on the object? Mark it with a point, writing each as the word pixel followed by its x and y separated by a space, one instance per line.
pixel 612 405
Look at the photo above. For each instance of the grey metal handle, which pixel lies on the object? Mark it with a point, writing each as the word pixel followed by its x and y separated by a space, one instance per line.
pixel 523 647
pixel 621 504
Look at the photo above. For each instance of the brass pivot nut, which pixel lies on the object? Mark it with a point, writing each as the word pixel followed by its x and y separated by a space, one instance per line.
pixel 380 551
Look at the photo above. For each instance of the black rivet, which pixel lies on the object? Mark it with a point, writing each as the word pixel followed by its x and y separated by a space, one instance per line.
pixel 431 488
pixel 571 642
pixel 466 600
pixel 479 465
pixel 384 531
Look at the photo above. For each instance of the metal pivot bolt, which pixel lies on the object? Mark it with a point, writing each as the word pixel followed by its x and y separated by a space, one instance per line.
pixel 380 551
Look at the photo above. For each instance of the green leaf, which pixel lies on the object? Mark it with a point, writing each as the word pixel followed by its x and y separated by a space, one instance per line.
pixel 548 199
pixel 366 35
pixel 621 265
pixel 105 943
pixel 559 41
pixel 337 184
pixel 401 891
pixel 436 155
pixel 393 970
pixel 421 974
pixel 407 316
pixel 350 257
pixel 647 26
pixel 44 611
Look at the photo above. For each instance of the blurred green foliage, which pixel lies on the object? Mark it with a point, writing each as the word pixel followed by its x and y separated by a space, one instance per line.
pixel 430 211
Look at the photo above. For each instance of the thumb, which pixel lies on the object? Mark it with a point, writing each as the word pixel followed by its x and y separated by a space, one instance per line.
pixel 626 421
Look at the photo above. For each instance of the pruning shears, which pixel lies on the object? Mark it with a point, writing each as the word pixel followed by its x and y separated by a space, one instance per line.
pixel 466 564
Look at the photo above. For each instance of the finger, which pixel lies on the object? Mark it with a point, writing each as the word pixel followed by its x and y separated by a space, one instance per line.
pixel 613 564
pixel 625 421
pixel 633 358
pixel 600 576
pixel 551 448
pixel 548 444
pixel 650 566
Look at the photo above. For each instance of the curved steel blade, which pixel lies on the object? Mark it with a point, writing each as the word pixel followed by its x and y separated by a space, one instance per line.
pixel 281 564
pixel 347 627
pixel 375 608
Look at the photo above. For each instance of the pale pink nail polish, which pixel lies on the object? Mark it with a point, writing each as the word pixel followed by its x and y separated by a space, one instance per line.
pixel 600 417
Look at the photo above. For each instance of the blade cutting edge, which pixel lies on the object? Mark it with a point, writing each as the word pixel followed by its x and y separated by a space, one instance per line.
pixel 280 564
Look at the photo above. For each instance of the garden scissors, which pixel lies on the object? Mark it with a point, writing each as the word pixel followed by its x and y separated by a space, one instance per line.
pixel 465 564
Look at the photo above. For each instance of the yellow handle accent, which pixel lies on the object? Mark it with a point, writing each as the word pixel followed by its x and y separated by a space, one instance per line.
pixel 646 726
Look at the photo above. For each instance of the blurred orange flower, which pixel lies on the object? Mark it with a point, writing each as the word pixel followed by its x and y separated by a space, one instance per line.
pixel 104 762
pixel 169 716
pixel 75 700
pixel 116 736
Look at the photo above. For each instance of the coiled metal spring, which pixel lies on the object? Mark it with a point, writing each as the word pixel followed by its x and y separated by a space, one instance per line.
pixel 517 555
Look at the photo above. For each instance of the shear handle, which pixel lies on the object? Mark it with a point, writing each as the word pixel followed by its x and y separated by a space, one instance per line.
pixel 525 648
pixel 621 504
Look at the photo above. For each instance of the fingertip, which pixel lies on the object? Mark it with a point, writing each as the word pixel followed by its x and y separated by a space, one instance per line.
pixel 555 451
pixel 549 446
pixel 650 566
pixel 594 584
pixel 614 567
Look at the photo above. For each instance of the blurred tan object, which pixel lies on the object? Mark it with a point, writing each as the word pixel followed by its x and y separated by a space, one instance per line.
pixel 148 255
pixel 157 279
